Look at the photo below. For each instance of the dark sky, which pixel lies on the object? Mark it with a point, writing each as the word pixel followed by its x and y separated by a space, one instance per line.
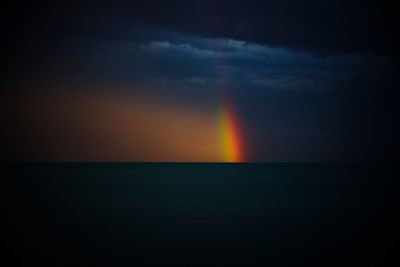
pixel 322 26
pixel 310 80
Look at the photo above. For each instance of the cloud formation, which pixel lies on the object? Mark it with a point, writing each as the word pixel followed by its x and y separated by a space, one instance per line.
pixel 199 61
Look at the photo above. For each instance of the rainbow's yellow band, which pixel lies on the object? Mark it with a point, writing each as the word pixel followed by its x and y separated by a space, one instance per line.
pixel 230 135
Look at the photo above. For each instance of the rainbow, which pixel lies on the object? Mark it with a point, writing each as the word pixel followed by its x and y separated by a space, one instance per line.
pixel 230 134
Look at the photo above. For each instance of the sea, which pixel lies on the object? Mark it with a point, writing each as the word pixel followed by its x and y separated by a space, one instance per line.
pixel 200 214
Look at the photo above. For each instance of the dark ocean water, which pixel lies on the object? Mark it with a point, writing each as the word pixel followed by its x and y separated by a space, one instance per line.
pixel 200 214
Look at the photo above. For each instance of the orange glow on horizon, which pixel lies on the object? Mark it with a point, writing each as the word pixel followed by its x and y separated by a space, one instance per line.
pixel 103 124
